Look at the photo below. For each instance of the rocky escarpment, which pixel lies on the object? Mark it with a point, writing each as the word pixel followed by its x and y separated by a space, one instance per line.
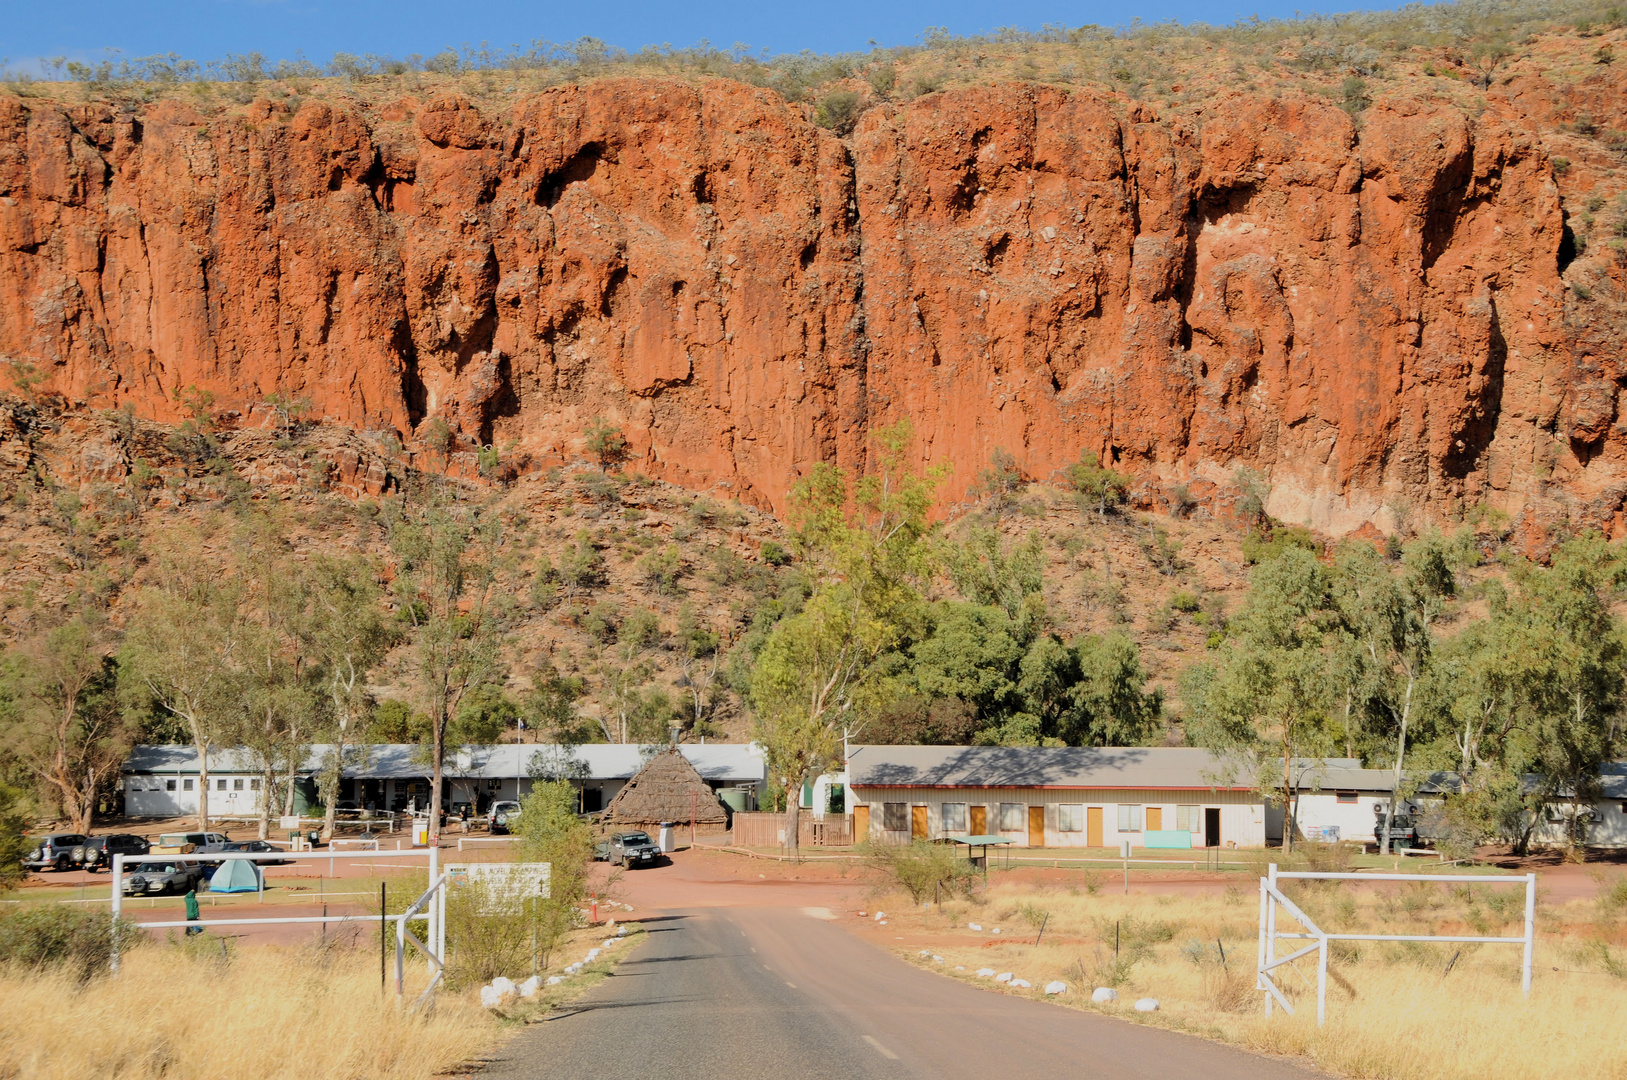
pixel 1371 315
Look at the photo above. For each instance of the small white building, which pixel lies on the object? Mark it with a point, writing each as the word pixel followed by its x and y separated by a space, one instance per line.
pixel 1604 820
pixel 1056 796
pixel 1336 798
pixel 163 781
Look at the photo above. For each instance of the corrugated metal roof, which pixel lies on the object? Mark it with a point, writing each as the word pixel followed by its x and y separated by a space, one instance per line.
pixel 738 763
pixel 1046 766
pixel 1333 774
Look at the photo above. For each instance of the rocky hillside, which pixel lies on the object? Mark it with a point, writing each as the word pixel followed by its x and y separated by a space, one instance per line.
pixel 604 575
pixel 1401 302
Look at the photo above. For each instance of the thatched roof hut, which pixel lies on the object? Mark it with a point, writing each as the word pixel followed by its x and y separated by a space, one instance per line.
pixel 666 789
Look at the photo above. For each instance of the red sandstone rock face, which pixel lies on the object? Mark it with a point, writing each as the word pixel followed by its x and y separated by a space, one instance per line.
pixel 1365 317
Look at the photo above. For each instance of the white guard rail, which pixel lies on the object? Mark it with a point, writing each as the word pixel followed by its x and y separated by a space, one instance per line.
pixel 1272 899
pixel 430 907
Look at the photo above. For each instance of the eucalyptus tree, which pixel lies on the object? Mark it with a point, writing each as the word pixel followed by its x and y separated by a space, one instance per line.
pixel 348 637
pixel 449 549
pixel 1265 694
pixel 819 670
pixel 1391 619
pixel 186 630
pixel 65 724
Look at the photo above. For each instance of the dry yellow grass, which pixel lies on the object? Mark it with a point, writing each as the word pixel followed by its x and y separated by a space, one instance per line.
pixel 299 1013
pixel 1393 1011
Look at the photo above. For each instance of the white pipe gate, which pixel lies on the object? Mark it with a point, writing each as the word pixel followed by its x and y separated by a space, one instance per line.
pixel 1271 899
pixel 429 907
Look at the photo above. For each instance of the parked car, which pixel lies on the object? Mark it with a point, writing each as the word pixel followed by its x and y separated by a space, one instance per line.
pixel 258 846
pixel 629 849
pixel 186 843
pixel 97 852
pixel 53 852
pixel 156 879
pixel 503 816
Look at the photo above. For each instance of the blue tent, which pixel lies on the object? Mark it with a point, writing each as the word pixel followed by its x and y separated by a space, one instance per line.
pixel 235 875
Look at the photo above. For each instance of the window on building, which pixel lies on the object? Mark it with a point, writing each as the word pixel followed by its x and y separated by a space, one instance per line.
pixel 1013 817
pixel 1347 797
pixel 1129 818
pixel 894 817
pixel 954 817
pixel 220 785
pixel 1188 818
pixel 186 785
pixel 1070 817
pixel 254 785
pixel 237 784
pixel 169 785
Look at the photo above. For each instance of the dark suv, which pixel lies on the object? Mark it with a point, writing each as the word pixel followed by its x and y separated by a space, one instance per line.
pixel 98 851
pixel 53 852
pixel 629 849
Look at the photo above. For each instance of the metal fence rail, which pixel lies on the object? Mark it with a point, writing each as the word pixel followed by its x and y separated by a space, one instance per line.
pixel 1272 900
pixel 429 907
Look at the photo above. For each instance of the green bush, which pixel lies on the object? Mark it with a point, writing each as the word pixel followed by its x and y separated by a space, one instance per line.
pixel 775 555
pixel 54 935
pixel 838 111
pixel 921 869
pixel 13 845
pixel 1263 547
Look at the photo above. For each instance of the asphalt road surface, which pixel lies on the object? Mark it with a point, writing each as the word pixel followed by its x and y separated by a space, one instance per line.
pixel 734 992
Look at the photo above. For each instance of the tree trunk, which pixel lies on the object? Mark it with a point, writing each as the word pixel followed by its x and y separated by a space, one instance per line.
pixel 793 808
pixel 436 774
pixel 203 785
pixel 1287 803
pixel 330 791
pixel 265 801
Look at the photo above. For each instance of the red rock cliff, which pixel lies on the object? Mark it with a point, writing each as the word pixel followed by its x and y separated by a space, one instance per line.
pixel 1367 317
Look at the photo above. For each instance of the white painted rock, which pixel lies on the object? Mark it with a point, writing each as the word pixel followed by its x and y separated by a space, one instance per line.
pixel 529 988
pixel 984 973
pixel 1147 1005
pixel 503 985
pixel 880 915
pixel 974 926
pixel 996 929
pixel 1022 984
pixel 884 922
pixel 593 954
pixel 1004 976
pixel 862 914
pixel 490 997
pixel 1104 993
pixel 925 953
pixel 959 968
pixel 1056 988
pixel 937 959
pixel 555 980
pixel 621 931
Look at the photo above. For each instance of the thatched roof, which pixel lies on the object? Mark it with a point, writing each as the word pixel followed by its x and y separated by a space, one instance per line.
pixel 667 789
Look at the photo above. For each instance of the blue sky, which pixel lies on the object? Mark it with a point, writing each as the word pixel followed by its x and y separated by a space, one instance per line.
pixel 208 29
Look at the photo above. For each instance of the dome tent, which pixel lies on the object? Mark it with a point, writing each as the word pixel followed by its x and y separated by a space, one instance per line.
pixel 667 788
pixel 234 876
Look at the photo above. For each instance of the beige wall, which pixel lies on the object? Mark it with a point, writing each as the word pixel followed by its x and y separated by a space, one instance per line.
pixel 1242 815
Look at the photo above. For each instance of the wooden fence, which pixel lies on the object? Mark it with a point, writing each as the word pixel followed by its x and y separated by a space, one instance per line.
pixel 768 830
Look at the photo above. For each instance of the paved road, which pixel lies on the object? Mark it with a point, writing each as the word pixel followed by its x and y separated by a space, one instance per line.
pixel 722 993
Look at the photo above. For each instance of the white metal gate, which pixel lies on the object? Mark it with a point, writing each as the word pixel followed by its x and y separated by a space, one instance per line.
pixel 1273 902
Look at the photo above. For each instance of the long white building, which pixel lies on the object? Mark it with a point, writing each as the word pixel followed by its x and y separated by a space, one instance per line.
pixel 164 781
